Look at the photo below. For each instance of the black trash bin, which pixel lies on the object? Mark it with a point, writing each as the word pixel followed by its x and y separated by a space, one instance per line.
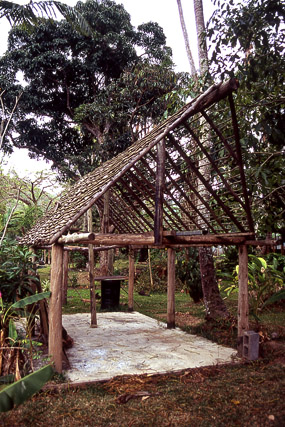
pixel 110 293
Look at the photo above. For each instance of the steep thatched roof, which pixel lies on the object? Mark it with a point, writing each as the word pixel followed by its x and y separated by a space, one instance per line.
pixel 204 186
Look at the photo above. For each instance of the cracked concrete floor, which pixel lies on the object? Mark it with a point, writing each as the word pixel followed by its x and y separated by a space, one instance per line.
pixel 131 343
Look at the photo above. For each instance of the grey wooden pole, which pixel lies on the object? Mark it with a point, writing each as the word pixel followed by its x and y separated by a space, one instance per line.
pixel 93 321
pixel 131 280
pixel 171 288
pixel 55 307
pixel 243 307
pixel 65 277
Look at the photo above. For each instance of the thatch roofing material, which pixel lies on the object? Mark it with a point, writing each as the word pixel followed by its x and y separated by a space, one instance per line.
pixel 117 173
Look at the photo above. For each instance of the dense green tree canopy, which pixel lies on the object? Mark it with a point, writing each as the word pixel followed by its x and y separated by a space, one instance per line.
pixel 85 96
pixel 247 41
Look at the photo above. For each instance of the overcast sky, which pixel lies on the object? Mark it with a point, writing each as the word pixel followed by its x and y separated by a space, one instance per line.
pixel 165 12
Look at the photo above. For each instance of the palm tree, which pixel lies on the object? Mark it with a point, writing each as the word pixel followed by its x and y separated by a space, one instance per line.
pixel 186 39
pixel 215 306
pixel 200 30
pixel 29 14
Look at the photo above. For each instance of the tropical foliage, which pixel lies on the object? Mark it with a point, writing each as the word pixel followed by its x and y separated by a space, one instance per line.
pixel 18 392
pixel 247 41
pixel 86 98
pixel 266 278
pixel 16 271
pixel 29 14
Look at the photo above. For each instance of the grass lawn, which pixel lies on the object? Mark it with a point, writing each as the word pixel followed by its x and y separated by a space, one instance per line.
pixel 235 395
pixel 242 394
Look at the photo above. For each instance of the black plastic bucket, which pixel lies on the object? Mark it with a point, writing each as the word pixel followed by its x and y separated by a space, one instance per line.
pixel 110 293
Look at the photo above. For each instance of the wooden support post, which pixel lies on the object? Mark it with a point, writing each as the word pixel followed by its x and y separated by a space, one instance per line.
pixel 131 279
pixel 111 262
pixel 105 229
pixel 243 307
pixel 159 187
pixel 65 277
pixel 93 321
pixel 171 288
pixel 55 308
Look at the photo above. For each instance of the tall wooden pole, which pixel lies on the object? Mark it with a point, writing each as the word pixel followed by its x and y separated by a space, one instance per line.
pixel 159 187
pixel 243 308
pixel 104 257
pixel 93 321
pixel 131 280
pixel 171 288
pixel 55 307
pixel 65 277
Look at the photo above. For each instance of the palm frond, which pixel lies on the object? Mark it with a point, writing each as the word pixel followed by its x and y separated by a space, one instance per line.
pixel 30 14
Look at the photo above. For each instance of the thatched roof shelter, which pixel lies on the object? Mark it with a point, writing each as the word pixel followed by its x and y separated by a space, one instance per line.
pixel 197 157
pixel 183 184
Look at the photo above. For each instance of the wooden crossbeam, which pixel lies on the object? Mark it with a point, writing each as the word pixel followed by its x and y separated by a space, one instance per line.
pixel 214 165
pixel 137 183
pixel 207 186
pixel 135 209
pixel 240 164
pixel 169 238
pixel 172 215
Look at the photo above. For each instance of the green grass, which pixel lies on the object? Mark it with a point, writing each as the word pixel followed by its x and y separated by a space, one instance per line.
pixel 44 272
pixel 153 305
pixel 235 395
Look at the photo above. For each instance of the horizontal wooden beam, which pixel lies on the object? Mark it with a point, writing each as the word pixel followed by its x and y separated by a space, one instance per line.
pixel 124 239
pixel 171 238
pixel 215 239
pixel 82 248
pixel 168 239
pixel 85 249
pixel 76 238
pixel 262 242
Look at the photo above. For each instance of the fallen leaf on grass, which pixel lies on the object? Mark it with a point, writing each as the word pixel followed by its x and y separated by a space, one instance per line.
pixel 124 398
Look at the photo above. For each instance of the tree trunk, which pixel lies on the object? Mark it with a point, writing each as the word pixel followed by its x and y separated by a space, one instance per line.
pixel 186 39
pixel 214 304
pixel 200 29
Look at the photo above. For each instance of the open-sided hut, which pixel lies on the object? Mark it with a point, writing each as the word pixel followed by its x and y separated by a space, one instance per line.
pixel 183 184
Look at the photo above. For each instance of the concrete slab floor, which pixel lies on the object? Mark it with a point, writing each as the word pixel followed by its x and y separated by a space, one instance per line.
pixel 131 343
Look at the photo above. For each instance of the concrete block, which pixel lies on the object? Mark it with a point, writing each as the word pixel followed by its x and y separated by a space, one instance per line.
pixel 250 345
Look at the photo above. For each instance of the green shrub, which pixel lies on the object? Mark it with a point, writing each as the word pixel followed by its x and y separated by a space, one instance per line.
pixel 16 271
pixel 266 277
pixel 188 271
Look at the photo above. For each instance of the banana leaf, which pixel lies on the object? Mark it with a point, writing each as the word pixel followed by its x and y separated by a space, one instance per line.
pixel 13 335
pixel 278 296
pixel 21 390
pixel 30 300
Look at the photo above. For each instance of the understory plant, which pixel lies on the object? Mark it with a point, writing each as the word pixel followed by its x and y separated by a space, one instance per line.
pixel 188 272
pixel 152 278
pixel 17 273
pixel 17 349
pixel 20 293
pixel 266 278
